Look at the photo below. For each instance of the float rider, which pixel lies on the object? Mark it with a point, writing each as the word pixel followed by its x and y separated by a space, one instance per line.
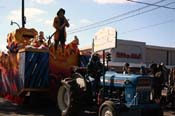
pixel 60 23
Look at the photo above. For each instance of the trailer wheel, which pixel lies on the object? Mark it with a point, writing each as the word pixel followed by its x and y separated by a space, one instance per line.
pixel 107 109
pixel 64 98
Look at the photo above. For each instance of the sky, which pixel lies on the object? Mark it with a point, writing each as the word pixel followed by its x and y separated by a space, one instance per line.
pixel 151 24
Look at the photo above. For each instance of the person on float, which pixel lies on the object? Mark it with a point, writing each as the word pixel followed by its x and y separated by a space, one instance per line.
pixel 41 40
pixel 60 23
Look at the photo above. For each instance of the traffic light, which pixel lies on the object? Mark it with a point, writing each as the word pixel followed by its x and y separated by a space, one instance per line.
pixel 108 57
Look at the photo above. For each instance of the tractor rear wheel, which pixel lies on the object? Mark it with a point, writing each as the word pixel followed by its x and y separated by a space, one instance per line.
pixel 64 98
pixel 71 95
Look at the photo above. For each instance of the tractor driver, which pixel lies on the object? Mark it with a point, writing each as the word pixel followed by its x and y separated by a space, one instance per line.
pixel 95 69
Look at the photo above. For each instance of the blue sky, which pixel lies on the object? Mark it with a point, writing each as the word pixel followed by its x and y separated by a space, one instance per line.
pixel 156 27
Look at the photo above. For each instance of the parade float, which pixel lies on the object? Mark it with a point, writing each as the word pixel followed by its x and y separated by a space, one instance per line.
pixel 33 65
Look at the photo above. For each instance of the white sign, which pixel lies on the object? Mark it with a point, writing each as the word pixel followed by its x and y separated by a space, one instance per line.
pixel 104 39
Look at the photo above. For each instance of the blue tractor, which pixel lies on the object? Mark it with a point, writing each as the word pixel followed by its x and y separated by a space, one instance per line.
pixel 108 92
pixel 127 94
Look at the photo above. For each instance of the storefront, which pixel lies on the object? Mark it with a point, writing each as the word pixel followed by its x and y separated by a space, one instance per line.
pixel 138 54
pixel 128 51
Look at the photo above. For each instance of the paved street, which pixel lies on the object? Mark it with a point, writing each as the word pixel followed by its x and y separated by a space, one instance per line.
pixel 35 109
pixel 43 109
pixel 10 109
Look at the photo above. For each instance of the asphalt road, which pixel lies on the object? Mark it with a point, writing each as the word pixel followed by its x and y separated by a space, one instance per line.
pixel 33 109
pixel 37 108
pixel 45 109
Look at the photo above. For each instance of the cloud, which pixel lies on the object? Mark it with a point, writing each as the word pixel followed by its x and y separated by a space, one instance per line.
pixel 111 1
pixel 30 14
pixel 33 12
pixel 72 25
pixel 48 22
pixel 43 1
pixel 3 48
pixel 14 15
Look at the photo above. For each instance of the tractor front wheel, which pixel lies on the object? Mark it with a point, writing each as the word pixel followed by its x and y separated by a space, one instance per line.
pixel 107 109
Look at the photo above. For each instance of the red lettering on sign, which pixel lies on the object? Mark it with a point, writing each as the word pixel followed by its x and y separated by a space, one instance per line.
pixel 126 55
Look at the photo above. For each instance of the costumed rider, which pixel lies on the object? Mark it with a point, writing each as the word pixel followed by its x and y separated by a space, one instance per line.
pixel 60 23
pixel 41 37
pixel 42 40
pixel 95 69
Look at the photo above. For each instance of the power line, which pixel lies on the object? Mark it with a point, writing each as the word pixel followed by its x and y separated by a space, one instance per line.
pixel 151 4
pixel 149 26
pixel 80 30
pixel 114 17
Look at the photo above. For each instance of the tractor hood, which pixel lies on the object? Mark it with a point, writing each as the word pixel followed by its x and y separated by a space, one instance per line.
pixel 112 78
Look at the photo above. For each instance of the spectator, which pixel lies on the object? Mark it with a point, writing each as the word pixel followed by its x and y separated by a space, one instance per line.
pixel 142 70
pixel 165 73
pixel 126 69
pixel 157 81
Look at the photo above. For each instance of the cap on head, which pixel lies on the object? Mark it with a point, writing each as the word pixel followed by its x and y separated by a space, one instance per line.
pixel 127 64
pixel 95 57
pixel 61 10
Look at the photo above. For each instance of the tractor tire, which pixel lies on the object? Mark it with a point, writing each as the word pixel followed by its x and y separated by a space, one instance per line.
pixel 64 98
pixel 107 109
pixel 70 95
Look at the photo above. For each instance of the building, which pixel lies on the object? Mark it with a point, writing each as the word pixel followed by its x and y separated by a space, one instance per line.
pixel 138 53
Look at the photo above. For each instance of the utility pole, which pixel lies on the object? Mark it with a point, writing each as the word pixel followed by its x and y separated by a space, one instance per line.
pixel 23 16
